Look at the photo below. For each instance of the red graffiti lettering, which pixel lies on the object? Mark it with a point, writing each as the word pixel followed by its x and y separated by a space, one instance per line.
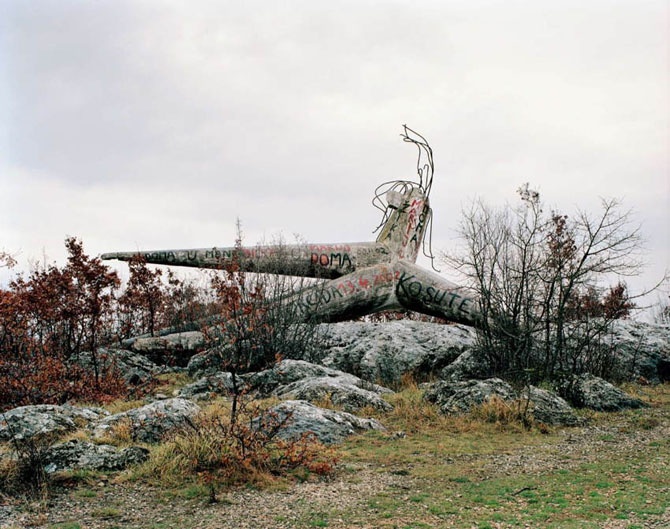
pixel 330 247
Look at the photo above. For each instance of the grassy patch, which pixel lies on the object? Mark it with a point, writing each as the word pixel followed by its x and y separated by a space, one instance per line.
pixel 107 513
pixel 85 493
pixel 480 470
pixel 454 474
pixel 122 405
pixel 119 433
pixel 168 383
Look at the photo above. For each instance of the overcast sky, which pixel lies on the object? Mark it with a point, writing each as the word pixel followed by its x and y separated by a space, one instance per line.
pixel 155 124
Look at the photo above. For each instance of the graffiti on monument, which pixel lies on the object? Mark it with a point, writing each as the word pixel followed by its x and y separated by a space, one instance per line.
pixel 357 278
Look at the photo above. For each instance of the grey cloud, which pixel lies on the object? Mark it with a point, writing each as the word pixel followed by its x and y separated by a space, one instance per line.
pixel 288 115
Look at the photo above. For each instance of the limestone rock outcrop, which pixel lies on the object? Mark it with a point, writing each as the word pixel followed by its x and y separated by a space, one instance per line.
pixel 386 352
pixel 587 391
pixel 45 421
pixel 75 455
pixel 152 422
pixel 329 426
pixel 300 380
pixel 459 397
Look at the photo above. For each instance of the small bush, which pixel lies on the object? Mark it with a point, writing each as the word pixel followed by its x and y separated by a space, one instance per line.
pixel 219 453
pixel 31 378
pixel 24 473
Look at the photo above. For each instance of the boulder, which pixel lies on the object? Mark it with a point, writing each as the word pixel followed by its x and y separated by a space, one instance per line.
pixel 172 349
pixel 387 351
pixel 341 391
pixel 152 422
pixel 467 366
pixel 135 368
pixel 642 349
pixel 329 426
pixel 44 421
pixel 588 391
pixel 549 408
pixel 459 397
pixel 286 372
pixel 208 362
pixel 73 455
pixel 301 380
pixel 210 386
pixel 33 426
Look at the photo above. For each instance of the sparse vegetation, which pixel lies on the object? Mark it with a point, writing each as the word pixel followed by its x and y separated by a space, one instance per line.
pixel 215 452
pixel 489 468
pixel 476 470
pixel 24 472
pixel 539 280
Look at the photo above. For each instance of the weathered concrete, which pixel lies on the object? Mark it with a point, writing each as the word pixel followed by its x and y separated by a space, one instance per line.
pixel 364 277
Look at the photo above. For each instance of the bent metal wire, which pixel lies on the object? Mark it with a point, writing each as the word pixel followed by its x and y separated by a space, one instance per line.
pixel 425 169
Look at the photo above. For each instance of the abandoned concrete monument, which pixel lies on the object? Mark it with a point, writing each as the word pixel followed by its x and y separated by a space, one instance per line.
pixel 358 278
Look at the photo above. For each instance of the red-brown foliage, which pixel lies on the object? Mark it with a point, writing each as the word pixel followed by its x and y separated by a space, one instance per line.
pixel 46 321
pixel 612 305
pixel 37 378
pixel 141 305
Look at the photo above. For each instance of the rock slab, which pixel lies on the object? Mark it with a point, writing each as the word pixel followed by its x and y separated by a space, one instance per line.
pixel 460 396
pixel 386 352
pixel 150 423
pixel 74 455
pixel 44 421
pixel 588 391
pixel 329 426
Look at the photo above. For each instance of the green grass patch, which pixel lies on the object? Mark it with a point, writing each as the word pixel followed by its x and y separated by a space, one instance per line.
pixel 450 463
pixel 463 471
pixel 85 493
pixel 107 513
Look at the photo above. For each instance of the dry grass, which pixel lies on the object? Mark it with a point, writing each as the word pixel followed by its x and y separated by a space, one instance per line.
pixel 213 451
pixel 169 383
pixel 119 434
pixel 504 414
pixel 480 470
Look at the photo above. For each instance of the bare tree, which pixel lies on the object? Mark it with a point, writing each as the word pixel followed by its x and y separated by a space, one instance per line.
pixel 539 277
pixel 257 322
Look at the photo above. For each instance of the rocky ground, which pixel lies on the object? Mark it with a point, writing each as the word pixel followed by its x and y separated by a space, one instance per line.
pixel 351 497
pixel 106 504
